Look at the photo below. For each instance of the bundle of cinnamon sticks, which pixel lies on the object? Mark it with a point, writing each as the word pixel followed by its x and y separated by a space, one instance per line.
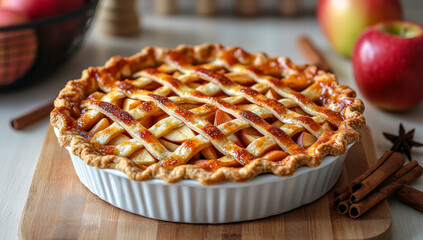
pixel 388 176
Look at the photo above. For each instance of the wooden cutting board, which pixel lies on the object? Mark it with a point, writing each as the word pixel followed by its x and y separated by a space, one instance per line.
pixel 60 207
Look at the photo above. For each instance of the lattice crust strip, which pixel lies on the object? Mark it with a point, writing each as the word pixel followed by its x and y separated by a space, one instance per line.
pixel 208 112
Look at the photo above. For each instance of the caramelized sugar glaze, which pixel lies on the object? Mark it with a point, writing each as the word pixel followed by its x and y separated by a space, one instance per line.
pixel 209 113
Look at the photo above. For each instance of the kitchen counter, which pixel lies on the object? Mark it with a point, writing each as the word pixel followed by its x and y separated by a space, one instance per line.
pixel 20 150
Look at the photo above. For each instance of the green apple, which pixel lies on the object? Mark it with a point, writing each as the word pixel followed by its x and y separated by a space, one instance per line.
pixel 344 20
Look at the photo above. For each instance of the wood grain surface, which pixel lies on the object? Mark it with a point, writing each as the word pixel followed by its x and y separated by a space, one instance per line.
pixel 60 207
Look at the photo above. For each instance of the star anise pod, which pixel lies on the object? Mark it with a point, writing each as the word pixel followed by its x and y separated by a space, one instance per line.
pixel 403 142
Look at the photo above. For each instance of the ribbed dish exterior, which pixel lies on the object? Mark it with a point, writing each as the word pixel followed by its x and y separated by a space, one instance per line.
pixel 191 202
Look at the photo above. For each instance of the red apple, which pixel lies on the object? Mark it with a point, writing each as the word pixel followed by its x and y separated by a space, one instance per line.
pixel 42 8
pixel 388 64
pixel 344 20
pixel 18 48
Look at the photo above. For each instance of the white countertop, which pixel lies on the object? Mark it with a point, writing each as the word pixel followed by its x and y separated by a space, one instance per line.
pixel 19 150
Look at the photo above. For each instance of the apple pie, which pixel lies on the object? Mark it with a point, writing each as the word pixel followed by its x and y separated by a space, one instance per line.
pixel 209 113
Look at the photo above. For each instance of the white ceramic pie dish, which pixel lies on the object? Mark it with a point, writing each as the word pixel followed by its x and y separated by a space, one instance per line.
pixel 191 202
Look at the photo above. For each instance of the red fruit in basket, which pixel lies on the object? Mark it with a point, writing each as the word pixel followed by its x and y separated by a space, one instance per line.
pixel 18 48
pixel 42 8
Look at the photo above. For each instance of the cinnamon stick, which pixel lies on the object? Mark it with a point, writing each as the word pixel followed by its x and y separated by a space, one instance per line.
pixel 345 196
pixel 312 53
pixel 412 197
pixel 338 192
pixel 344 206
pixel 345 192
pixel 369 171
pixel 358 209
pixel 361 189
pixel 32 116
pixel 403 170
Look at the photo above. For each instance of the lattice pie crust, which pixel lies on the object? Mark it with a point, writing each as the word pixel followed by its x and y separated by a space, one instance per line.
pixel 209 113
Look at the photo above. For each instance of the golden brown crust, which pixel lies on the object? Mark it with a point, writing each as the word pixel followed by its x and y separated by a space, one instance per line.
pixel 337 105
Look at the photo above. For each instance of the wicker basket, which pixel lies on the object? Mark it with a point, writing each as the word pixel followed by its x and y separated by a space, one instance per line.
pixel 32 51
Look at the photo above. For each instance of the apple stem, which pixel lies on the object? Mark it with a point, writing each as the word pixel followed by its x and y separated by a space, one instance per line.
pixel 404 31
